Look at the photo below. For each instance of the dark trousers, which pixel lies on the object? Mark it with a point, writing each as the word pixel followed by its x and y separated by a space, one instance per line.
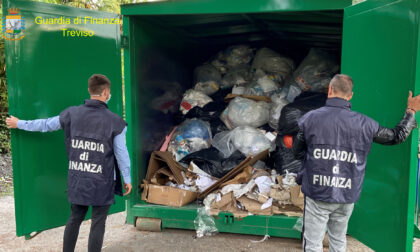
pixel 97 227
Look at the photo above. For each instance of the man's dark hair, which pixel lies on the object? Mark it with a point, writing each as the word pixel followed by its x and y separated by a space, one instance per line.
pixel 342 84
pixel 97 84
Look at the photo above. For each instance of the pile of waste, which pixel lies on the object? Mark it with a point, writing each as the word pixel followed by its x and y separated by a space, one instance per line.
pixel 230 149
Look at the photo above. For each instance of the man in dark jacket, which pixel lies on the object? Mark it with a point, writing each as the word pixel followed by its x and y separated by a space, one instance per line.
pixel 97 152
pixel 334 143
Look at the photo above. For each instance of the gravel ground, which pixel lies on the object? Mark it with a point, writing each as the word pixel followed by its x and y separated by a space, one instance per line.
pixel 6 174
pixel 122 237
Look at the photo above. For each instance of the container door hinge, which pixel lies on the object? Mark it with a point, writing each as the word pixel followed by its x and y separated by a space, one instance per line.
pixel 124 41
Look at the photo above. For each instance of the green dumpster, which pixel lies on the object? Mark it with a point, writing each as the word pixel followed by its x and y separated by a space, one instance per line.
pixel 162 42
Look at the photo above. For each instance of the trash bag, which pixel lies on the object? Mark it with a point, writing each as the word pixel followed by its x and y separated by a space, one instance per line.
pixel 290 114
pixel 167 96
pixel 238 55
pixel 204 223
pixel 315 71
pixel 239 75
pixel 272 62
pixel 213 161
pixel 249 141
pixel 284 159
pixel 219 62
pixel 245 112
pixel 191 136
pixel 292 93
pixel 210 113
pixel 207 79
pixel 278 102
pixel 263 86
pixel 193 98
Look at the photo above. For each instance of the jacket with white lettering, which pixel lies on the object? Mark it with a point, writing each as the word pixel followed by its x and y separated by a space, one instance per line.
pixel 89 130
pixel 334 143
pixel 338 141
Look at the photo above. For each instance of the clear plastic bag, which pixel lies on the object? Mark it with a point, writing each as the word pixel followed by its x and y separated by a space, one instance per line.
pixel 236 76
pixel 278 102
pixel 263 86
pixel 193 98
pixel 207 79
pixel 272 62
pixel 299 224
pixel 315 71
pixel 191 136
pixel 204 224
pixel 238 55
pixel 245 112
pixel 249 141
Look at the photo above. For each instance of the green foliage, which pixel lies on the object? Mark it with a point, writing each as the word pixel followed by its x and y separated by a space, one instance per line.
pixel 4 107
pixel 102 5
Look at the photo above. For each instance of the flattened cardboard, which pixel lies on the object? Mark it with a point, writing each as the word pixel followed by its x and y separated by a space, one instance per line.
pixel 254 206
pixel 235 171
pixel 251 97
pixel 160 159
pixel 296 196
pixel 168 196
pixel 241 178
pixel 226 203
pixel 288 210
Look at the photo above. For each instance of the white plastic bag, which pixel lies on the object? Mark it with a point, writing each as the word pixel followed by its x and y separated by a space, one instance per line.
pixel 245 112
pixel 278 102
pixel 193 98
pixel 249 141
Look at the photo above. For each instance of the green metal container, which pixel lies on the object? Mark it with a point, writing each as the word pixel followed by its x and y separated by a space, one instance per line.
pixel 163 41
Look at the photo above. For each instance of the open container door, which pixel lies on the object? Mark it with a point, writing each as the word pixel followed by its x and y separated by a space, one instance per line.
pixel 379 52
pixel 46 73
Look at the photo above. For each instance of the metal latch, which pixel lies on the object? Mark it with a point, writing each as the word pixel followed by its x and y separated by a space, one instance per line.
pixel 124 41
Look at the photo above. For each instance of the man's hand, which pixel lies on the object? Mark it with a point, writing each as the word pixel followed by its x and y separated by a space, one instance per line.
pixel 127 188
pixel 413 103
pixel 12 122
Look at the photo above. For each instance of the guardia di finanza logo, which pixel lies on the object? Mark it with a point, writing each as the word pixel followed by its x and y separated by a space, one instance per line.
pixel 13 25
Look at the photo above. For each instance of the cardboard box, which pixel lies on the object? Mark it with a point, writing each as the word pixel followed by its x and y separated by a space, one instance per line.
pixel 166 195
pixel 163 159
